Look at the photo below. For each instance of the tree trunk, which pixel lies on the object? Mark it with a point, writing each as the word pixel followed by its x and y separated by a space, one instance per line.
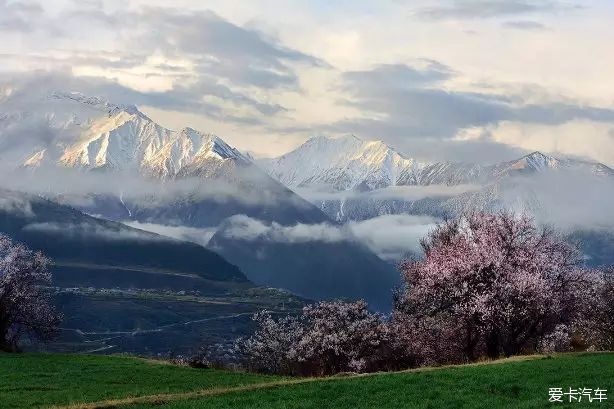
pixel 492 345
pixel 7 346
pixel 470 343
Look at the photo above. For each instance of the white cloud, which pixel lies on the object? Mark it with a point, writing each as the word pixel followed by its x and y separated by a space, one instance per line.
pixel 584 138
pixel 409 193
pixel 392 237
pixel 184 233
pixel 246 228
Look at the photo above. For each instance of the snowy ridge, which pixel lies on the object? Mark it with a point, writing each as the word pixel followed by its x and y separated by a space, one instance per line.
pixel 538 162
pixel 343 163
pixel 120 137
pixel 350 179
pixel 94 102
pixel 349 163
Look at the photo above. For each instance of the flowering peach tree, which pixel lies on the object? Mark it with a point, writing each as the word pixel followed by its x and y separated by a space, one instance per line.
pixel 489 284
pixel 26 310
pixel 328 337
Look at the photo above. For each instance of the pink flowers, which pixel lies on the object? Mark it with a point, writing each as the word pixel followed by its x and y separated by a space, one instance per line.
pixel 329 337
pixel 26 311
pixel 487 286
pixel 492 284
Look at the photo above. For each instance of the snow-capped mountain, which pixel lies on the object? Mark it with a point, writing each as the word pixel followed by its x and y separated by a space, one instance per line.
pixel 349 163
pixel 120 137
pixel 351 179
pixel 537 162
pixel 343 163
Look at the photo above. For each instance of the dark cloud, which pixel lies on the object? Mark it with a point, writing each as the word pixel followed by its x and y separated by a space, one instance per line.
pixel 401 75
pixel 410 108
pixel 215 46
pixel 472 9
pixel 418 105
pixel 226 65
pixel 239 54
pixel 188 97
pixel 225 61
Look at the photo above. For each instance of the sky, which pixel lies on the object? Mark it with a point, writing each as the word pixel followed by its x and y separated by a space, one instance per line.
pixel 463 80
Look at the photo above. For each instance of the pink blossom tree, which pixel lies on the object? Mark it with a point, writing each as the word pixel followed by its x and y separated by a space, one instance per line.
pixel 272 347
pixel 329 337
pixel 26 311
pixel 340 337
pixel 488 284
pixel 596 324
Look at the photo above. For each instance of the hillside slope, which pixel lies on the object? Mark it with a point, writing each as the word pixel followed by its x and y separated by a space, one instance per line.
pixel 71 237
pixel 126 290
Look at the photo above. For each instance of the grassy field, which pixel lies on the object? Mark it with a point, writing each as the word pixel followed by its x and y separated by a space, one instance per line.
pixel 40 380
pixel 45 380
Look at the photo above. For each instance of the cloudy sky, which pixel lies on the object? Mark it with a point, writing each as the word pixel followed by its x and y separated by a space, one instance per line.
pixel 479 80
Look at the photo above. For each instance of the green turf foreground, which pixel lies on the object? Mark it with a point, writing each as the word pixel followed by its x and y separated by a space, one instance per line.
pixel 44 380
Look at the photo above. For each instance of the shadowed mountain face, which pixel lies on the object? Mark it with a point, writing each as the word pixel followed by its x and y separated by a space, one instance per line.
pixel 71 237
pixel 122 289
pixel 314 269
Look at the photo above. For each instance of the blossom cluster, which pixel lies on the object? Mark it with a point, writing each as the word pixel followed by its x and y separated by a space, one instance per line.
pixel 26 310
pixel 327 338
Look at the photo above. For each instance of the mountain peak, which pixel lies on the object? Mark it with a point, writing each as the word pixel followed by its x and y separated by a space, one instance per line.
pixel 105 135
pixel 344 162
pixel 96 102
pixel 536 154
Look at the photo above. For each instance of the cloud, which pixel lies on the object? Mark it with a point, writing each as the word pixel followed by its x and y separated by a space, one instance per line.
pixel 175 59
pixel 236 53
pixel 400 103
pixel 15 204
pixel 260 79
pixel 74 187
pixel 581 137
pixel 427 72
pixel 214 46
pixel 19 16
pixel 192 96
pixel 525 25
pixel 246 228
pixel 91 230
pixel 408 193
pixel 566 200
pixel 392 237
pixel 183 233
pixel 475 9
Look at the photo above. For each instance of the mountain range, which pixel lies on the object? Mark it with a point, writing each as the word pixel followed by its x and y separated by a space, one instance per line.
pixel 349 163
pixel 353 179
pixel 114 162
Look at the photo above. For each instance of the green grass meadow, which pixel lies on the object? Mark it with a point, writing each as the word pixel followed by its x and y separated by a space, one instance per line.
pixel 38 380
